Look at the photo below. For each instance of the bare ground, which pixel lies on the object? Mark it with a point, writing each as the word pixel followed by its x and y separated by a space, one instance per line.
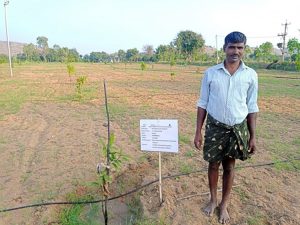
pixel 48 149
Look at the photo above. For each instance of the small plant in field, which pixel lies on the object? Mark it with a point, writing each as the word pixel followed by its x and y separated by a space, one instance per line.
pixel 116 158
pixel 185 168
pixel 80 81
pixel 172 62
pixel 190 153
pixel 243 195
pixel 71 70
pixel 143 66
pixel 172 74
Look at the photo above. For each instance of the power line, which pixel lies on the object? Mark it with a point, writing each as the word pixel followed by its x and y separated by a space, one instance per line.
pixel 138 188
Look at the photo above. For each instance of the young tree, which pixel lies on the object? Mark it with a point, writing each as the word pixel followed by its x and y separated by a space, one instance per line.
pixel 143 66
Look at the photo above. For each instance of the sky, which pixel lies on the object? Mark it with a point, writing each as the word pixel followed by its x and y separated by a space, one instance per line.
pixel 98 25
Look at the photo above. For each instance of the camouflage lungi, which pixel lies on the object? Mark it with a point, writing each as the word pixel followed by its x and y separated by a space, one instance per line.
pixel 223 141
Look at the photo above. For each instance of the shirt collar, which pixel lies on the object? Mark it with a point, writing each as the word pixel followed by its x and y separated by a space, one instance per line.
pixel 222 66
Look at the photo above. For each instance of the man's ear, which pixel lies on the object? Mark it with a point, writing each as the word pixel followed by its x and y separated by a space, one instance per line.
pixel 224 46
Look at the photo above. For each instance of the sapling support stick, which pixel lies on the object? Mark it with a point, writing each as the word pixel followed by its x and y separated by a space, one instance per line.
pixel 107 154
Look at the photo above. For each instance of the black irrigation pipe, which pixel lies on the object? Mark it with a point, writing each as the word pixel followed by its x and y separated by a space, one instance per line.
pixel 136 189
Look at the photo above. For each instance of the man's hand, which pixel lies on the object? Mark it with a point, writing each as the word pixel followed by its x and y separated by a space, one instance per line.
pixel 198 140
pixel 252 146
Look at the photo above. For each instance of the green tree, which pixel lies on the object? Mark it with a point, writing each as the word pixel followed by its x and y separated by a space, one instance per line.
pixel 99 57
pixel 297 62
pixel 293 47
pixel 42 43
pixel 132 54
pixel 161 52
pixel 264 52
pixel 63 54
pixel 31 52
pixel 166 53
pixel 187 42
pixel 86 58
pixel 248 52
pixel 73 55
pixel 3 58
pixel 121 55
pixel 51 55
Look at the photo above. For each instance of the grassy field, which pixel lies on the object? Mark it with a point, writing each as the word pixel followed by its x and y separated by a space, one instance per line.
pixel 49 145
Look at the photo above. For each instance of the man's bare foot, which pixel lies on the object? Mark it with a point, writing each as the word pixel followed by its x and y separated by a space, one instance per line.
pixel 224 216
pixel 210 208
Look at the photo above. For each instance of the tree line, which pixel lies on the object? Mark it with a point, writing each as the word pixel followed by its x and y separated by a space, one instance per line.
pixel 187 47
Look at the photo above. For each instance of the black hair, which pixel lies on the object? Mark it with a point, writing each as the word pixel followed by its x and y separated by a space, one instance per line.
pixel 235 37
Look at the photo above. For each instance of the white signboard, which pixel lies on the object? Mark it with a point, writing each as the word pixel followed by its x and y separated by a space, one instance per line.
pixel 159 135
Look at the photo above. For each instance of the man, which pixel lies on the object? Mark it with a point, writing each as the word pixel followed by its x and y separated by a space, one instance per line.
pixel 229 99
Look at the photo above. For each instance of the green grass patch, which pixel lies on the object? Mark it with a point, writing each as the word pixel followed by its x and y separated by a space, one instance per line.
pixel 184 139
pixel 186 168
pixel 72 215
pixel 2 140
pixel 256 219
pixel 293 165
pixel 189 153
pixel 275 131
pixel 242 194
pixel 270 86
pixel 296 141
pixel 12 100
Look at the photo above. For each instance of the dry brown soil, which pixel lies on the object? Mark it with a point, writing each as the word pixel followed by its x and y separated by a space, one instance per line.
pixel 51 147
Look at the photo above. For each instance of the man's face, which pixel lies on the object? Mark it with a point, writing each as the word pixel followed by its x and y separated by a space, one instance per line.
pixel 234 52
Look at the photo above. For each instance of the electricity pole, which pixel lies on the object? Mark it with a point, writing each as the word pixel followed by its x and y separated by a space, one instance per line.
pixel 283 35
pixel 7 39
pixel 217 49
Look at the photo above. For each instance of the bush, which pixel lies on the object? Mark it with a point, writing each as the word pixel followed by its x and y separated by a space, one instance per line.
pixel 3 58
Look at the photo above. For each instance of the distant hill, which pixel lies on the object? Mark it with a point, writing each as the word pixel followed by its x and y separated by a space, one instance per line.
pixel 15 48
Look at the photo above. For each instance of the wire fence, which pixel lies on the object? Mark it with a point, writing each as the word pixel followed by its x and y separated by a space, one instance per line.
pixel 138 188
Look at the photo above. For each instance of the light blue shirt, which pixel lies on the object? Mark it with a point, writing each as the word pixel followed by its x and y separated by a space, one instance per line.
pixel 229 98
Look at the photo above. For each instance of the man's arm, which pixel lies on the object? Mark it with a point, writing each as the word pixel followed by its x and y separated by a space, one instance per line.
pixel 251 121
pixel 201 114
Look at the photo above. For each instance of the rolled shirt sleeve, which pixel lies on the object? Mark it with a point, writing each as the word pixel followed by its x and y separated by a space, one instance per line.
pixel 252 95
pixel 204 93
